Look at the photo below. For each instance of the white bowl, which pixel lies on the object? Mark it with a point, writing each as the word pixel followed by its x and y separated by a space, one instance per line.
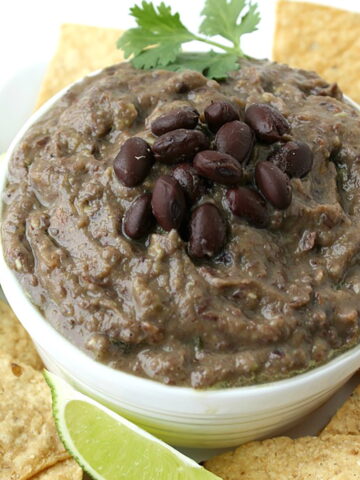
pixel 181 416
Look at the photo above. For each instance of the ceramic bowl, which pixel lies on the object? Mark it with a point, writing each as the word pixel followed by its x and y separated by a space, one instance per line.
pixel 181 416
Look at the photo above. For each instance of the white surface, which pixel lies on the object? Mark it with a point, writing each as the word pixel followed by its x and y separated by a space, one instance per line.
pixel 28 29
pixel 17 98
pixel 29 32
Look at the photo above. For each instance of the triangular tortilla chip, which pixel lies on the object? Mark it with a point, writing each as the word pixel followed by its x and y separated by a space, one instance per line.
pixel 15 341
pixel 81 49
pixel 29 442
pixel 334 458
pixel 347 419
pixel 320 38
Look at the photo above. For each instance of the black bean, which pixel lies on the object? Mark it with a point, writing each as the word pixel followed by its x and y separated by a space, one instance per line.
pixel 237 139
pixel 179 145
pixel 192 184
pixel 294 158
pixel 266 121
pixel 248 204
pixel 207 231
pixel 185 117
pixel 273 184
pixel 218 167
pixel 218 113
pixel 134 161
pixel 139 219
pixel 168 202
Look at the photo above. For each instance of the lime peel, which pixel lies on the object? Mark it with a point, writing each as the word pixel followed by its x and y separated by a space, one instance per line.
pixel 109 447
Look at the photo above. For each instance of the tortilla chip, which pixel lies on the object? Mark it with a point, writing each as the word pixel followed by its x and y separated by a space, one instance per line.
pixel 347 419
pixel 320 38
pixel 28 439
pixel 15 341
pixel 311 458
pixel 66 470
pixel 81 49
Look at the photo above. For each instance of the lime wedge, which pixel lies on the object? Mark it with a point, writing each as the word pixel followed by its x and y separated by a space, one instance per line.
pixel 109 447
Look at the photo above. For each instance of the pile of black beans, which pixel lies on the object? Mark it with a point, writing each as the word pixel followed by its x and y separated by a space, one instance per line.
pixel 199 156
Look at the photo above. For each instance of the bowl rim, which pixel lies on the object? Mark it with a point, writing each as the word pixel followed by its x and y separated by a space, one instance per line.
pixel 18 299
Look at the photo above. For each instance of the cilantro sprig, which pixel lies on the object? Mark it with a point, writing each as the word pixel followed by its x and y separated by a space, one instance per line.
pixel 157 40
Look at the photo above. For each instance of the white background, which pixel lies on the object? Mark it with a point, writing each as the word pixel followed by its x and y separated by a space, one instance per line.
pixel 28 28
pixel 29 32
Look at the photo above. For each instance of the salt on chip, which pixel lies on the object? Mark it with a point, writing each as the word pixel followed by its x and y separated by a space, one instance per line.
pixel 15 341
pixel 312 458
pixel 347 419
pixel 81 49
pixel 65 470
pixel 320 38
pixel 29 442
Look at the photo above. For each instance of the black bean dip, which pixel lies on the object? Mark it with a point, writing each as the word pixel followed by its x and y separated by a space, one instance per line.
pixel 218 247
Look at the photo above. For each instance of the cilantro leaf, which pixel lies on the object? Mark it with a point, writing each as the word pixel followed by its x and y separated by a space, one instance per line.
pixel 160 56
pixel 221 64
pixel 158 37
pixel 249 21
pixel 150 18
pixel 136 42
pixel 222 18
pixel 211 64
pixel 156 41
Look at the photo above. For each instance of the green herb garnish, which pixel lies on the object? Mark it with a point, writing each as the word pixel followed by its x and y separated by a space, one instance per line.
pixel 157 40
